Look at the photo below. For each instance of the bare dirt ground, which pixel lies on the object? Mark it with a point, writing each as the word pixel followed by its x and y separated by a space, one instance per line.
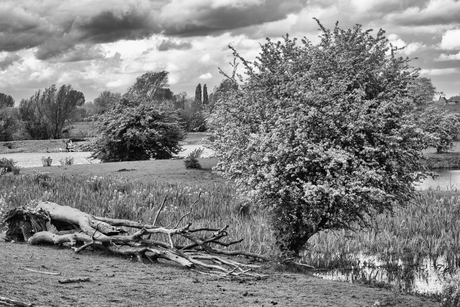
pixel 114 281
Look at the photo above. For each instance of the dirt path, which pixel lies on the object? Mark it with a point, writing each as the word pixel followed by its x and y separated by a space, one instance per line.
pixel 116 281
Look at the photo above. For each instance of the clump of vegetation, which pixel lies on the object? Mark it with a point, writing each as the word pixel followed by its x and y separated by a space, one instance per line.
pixel 450 296
pixel 321 133
pixel 137 132
pixel 191 161
pixel 66 161
pixel 120 198
pixel 7 166
pixel 47 161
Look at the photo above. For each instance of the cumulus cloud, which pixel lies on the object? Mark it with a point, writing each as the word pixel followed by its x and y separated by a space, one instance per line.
pixel 168 44
pixel 205 76
pixel 438 71
pixel 448 57
pixel 9 60
pixel 451 40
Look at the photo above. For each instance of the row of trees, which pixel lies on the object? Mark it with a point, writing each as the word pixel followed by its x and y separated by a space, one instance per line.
pixel 44 115
pixel 50 112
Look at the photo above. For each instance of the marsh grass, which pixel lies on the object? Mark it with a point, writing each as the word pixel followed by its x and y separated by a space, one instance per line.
pixel 429 227
pixel 119 198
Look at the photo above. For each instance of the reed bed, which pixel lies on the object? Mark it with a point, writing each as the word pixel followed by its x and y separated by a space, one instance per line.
pixel 213 206
pixel 428 227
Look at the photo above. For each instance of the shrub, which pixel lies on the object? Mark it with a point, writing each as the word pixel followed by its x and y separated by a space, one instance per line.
pixel 137 132
pixel 191 161
pixel 66 161
pixel 47 161
pixel 321 134
pixel 7 166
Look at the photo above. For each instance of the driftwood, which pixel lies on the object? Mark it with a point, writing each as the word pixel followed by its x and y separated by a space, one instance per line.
pixel 51 223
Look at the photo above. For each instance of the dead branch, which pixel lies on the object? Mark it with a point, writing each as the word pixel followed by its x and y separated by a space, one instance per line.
pixel 49 220
pixel 73 280
pixel 42 272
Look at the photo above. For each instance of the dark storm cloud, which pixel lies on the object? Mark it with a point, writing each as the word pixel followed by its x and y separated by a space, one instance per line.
pixel 9 60
pixel 110 26
pixel 199 18
pixel 168 44
pixel 28 24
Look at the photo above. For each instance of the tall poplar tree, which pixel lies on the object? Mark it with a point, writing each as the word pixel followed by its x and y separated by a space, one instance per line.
pixel 205 95
pixel 198 97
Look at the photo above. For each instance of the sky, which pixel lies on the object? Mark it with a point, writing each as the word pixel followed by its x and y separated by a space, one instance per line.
pixel 99 45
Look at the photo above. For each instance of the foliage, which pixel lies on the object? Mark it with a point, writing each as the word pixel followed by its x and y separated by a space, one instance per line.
pixel 321 134
pixel 450 296
pixel 193 118
pixel 6 101
pixel 191 161
pixel 146 87
pixel 10 123
pixel 66 161
pixel 205 95
pixel 7 166
pixel 198 95
pixel 47 161
pixel 422 90
pixel 46 113
pixel 106 101
pixel 443 125
pixel 140 132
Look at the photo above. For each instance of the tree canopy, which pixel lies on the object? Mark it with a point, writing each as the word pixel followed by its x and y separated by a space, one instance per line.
pixel 137 132
pixel 321 135
pixel 147 86
pixel 6 101
pixel 47 112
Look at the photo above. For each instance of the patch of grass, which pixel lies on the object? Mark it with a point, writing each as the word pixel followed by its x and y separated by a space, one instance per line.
pixel 427 227
pixel 120 198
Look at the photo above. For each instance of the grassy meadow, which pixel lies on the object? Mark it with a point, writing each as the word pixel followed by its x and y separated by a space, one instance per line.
pixel 211 205
pixel 427 227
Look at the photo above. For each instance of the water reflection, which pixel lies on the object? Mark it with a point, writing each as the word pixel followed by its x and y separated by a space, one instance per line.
pixel 447 180
pixel 424 277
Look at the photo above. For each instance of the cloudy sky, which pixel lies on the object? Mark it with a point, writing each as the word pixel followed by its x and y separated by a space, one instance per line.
pixel 98 45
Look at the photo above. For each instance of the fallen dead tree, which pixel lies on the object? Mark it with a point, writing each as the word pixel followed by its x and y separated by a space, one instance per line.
pixel 50 223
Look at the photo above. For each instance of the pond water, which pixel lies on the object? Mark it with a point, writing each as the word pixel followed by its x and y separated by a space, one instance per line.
pixel 447 180
pixel 34 159
pixel 424 277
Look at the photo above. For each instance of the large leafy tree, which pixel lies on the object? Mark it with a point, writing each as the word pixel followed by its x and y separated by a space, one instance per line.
pixel 321 135
pixel 106 101
pixel 47 112
pixel 10 123
pixel 147 86
pixel 6 101
pixel 138 132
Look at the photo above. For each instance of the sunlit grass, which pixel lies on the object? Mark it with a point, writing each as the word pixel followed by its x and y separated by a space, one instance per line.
pixel 209 206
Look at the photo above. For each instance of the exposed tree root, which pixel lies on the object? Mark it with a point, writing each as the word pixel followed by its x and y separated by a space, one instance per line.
pixel 51 223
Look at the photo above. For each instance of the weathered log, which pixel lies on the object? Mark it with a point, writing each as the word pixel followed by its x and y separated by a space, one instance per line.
pixel 199 252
